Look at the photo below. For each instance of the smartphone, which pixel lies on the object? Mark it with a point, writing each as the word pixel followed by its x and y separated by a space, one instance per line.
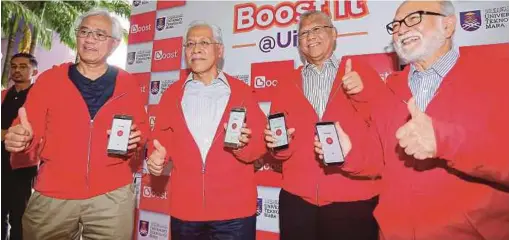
pixel 329 138
pixel 235 122
pixel 278 128
pixel 119 137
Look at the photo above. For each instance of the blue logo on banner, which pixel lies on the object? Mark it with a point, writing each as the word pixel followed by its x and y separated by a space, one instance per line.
pixel 154 87
pixel 160 23
pixel 259 206
pixel 143 230
pixel 471 20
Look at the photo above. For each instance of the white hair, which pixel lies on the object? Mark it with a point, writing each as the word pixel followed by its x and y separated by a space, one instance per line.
pixel 315 13
pixel 216 31
pixel 447 7
pixel 116 27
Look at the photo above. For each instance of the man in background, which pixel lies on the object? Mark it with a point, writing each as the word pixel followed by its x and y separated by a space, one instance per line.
pixel 17 179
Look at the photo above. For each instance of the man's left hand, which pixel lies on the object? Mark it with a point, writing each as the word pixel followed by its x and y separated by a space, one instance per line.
pixel 352 82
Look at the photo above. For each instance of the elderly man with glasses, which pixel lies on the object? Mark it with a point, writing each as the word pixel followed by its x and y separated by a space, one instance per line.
pixel 213 189
pixel 81 190
pixel 319 201
pixel 444 130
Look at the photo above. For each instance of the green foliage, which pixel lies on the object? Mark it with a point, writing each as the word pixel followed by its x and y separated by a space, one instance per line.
pixel 57 16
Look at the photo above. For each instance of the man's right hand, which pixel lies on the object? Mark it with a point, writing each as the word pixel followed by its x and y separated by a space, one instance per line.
pixel 19 137
pixel 155 162
pixel 270 140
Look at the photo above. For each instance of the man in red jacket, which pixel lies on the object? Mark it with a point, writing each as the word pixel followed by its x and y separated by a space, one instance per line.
pixel 213 189
pixel 318 201
pixel 444 129
pixel 81 190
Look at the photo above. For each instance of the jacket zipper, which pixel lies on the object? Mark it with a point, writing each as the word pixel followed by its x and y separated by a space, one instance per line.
pixel 203 184
pixel 90 129
pixel 320 118
pixel 203 165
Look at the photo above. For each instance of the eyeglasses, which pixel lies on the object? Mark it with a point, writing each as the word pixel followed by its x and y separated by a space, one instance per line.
pixel 202 44
pixel 96 34
pixel 410 20
pixel 315 30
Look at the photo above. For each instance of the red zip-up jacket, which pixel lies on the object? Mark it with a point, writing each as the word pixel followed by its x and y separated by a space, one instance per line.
pixel 464 192
pixel 75 163
pixel 224 187
pixel 303 173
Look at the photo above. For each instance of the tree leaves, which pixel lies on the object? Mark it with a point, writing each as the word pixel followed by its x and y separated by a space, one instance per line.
pixel 56 16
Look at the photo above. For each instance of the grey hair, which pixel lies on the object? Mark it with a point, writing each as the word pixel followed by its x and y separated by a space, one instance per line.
pixel 313 13
pixel 447 7
pixel 216 31
pixel 116 27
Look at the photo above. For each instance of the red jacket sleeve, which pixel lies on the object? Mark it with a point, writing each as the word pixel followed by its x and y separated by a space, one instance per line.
pixel 478 145
pixel 366 157
pixel 163 131
pixel 372 83
pixel 140 118
pixel 255 121
pixel 20 160
pixel 36 106
pixel 280 104
pixel 4 93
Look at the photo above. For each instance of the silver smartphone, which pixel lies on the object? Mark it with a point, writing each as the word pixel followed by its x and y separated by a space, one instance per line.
pixel 235 123
pixel 329 138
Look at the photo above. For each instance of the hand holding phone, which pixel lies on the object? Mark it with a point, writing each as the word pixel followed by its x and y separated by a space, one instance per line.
pixel 329 143
pixel 233 128
pixel 278 131
pixel 119 136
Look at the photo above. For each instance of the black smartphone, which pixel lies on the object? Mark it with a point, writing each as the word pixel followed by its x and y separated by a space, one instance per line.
pixel 119 136
pixel 277 126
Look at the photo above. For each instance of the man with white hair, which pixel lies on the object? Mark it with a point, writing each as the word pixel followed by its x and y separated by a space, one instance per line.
pixel 213 189
pixel 81 190
pixel 320 201
pixel 444 130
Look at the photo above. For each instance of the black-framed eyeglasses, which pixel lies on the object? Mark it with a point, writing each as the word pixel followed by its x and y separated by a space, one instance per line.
pixel 315 30
pixel 201 44
pixel 410 20
pixel 96 34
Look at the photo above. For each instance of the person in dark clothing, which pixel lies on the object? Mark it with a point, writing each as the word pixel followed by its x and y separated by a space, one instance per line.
pixel 16 181
pixel 81 190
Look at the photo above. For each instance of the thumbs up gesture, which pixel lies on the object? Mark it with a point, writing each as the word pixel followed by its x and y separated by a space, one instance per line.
pixel 352 82
pixel 155 162
pixel 20 136
pixel 417 136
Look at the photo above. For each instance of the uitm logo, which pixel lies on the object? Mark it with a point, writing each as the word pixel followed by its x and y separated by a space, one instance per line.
pixel 259 206
pixel 471 20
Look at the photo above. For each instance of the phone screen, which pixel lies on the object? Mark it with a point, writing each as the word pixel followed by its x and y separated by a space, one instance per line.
pixel 119 137
pixel 278 129
pixel 328 136
pixel 233 129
